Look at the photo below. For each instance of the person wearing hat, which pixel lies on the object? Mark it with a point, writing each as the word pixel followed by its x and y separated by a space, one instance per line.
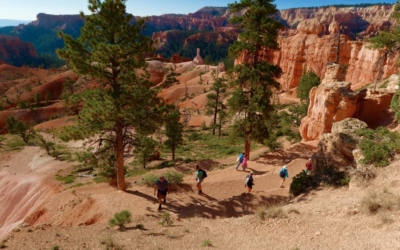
pixel 162 190
pixel 249 182
pixel 283 173
pixel 308 166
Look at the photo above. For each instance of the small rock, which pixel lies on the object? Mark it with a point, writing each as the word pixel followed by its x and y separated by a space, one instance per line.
pixel 318 233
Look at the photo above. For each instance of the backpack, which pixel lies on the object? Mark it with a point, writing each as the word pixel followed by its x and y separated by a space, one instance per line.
pixel 203 173
pixel 282 173
pixel 246 181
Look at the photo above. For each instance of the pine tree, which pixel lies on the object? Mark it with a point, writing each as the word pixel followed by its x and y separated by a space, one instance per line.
pixel 308 80
pixel 19 127
pixel 174 129
pixel 112 49
pixel 255 78
pixel 390 41
pixel 215 105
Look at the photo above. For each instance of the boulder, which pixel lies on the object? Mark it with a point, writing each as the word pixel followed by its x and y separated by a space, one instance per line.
pixel 338 149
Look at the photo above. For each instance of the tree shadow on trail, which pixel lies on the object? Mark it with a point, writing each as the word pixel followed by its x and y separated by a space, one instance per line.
pixel 282 157
pixel 206 206
pixel 257 172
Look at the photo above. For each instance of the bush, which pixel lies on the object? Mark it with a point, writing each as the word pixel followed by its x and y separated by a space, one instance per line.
pixel 300 183
pixel 379 146
pixel 374 201
pixel 166 219
pixel 149 180
pixel 206 243
pixel 261 213
pixel 194 136
pixel 173 177
pixel 120 219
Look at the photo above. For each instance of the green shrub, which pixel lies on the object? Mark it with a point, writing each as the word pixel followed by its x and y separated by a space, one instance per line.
pixel 194 136
pixel 120 219
pixel 166 219
pixel 55 247
pixel 68 179
pixel 379 146
pixel 173 177
pixel 206 243
pixel 300 183
pixel 149 180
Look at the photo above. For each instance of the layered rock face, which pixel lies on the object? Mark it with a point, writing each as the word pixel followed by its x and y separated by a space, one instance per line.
pixel 334 101
pixel 12 47
pixel 356 21
pixel 309 50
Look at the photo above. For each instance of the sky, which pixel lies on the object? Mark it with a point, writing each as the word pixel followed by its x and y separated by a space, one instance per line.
pixel 28 9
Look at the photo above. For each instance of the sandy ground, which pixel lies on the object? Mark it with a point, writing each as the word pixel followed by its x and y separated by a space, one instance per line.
pixel 326 218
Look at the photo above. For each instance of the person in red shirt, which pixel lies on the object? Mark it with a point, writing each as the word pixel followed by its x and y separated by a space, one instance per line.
pixel 308 166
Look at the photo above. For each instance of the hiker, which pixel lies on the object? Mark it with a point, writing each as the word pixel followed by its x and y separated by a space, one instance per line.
pixel 284 174
pixel 308 166
pixel 249 182
pixel 199 178
pixel 240 159
pixel 244 163
pixel 162 190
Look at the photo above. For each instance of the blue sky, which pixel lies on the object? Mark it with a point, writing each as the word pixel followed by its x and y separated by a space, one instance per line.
pixel 27 9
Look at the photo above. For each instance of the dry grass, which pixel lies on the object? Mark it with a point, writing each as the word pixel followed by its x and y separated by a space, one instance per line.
pixel 274 211
pixel 374 202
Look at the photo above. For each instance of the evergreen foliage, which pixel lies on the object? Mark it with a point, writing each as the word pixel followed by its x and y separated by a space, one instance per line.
pixel 120 219
pixel 215 105
pixel 18 127
pixel 112 50
pixel 307 81
pixel 379 146
pixel 144 149
pixel 255 78
pixel 174 131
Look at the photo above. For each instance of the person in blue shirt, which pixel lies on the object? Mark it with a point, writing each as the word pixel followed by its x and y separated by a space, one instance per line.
pixel 199 178
pixel 162 190
pixel 240 159
pixel 284 174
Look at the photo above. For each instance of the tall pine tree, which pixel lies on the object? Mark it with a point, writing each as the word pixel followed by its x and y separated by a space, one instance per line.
pixel 173 130
pixel 255 77
pixel 215 105
pixel 112 50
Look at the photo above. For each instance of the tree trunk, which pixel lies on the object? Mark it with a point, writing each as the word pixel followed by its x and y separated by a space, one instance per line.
pixel 247 144
pixel 215 113
pixel 173 153
pixel 120 157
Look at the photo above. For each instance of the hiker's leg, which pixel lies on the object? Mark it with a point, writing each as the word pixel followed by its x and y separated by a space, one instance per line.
pixel 238 164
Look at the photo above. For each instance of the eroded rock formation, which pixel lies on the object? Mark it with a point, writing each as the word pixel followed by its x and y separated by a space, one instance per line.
pixel 334 101
pixel 337 149
pixel 12 48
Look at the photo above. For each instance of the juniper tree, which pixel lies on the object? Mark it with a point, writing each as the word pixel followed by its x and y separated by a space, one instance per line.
pixel 112 50
pixel 255 77
pixel 215 105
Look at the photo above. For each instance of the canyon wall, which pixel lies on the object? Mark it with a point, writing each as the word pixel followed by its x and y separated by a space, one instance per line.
pixel 11 47
pixel 334 101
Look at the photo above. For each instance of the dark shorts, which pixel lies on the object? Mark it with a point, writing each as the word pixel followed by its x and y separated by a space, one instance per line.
pixel 161 194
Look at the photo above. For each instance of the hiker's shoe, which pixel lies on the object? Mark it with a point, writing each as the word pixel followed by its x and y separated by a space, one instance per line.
pixel 159 207
pixel 200 192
